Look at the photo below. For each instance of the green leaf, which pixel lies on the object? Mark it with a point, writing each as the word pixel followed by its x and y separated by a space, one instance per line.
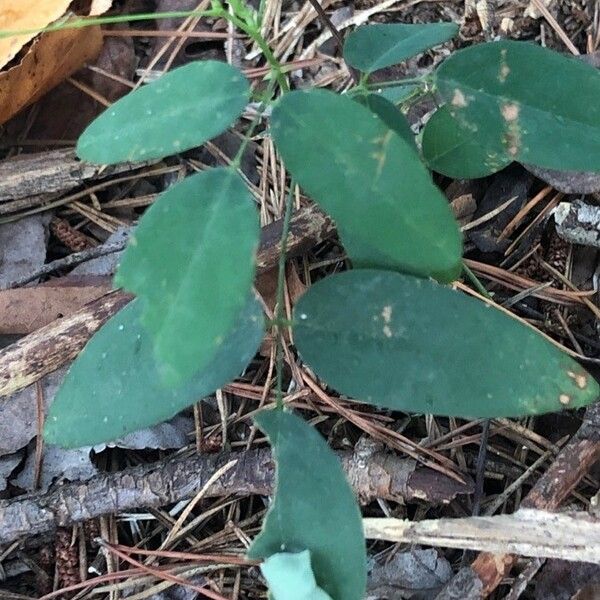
pixel 314 508
pixel 410 344
pixel 456 152
pixel 390 115
pixel 181 110
pixel 114 386
pixel 494 92
pixel 370 181
pixel 192 259
pixel 290 577
pixel 374 47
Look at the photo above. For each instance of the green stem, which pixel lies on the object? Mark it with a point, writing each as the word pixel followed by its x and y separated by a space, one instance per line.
pixel 287 216
pixel 92 21
pixel 254 124
pixel 475 281
pixel 397 82
pixel 262 44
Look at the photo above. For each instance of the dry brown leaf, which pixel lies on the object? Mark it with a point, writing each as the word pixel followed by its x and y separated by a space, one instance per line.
pixel 26 14
pixel 100 6
pixel 51 59
pixel 25 310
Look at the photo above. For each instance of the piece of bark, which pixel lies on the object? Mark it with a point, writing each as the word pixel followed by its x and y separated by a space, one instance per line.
pixel 578 223
pixel 45 173
pixel 44 351
pixel 182 477
pixel 570 466
pixel 26 310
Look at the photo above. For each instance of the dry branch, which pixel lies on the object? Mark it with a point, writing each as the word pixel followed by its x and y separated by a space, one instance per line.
pixel 378 475
pixel 45 173
pixel 571 536
pixel 554 486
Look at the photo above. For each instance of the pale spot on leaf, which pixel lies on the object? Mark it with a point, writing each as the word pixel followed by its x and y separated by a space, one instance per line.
pixel 564 399
pixel 459 99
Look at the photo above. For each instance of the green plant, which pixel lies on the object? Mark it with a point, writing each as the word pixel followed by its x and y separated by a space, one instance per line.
pixel 400 338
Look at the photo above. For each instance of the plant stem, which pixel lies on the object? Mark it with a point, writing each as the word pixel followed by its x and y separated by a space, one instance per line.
pixel 253 125
pixel 255 34
pixel 91 21
pixel 475 281
pixel 280 299
pixel 397 82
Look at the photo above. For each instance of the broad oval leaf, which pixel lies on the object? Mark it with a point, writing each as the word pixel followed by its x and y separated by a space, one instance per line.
pixel 370 181
pixel 455 152
pixel 192 259
pixel 181 110
pixel 390 115
pixel 114 386
pixel 314 508
pixel 290 577
pixel 374 47
pixel 493 93
pixel 410 344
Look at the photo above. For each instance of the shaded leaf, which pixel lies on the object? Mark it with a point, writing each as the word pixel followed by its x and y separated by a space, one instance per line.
pixel 568 182
pixel 314 508
pixel 114 386
pixel 374 47
pixel 372 182
pixel 192 258
pixel 181 110
pixel 398 93
pixel 290 577
pixel 494 95
pixel 390 115
pixel 455 152
pixel 410 344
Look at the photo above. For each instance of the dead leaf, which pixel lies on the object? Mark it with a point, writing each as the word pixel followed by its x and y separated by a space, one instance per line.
pixel 51 59
pixel 99 6
pixel 170 435
pixel 418 575
pixel 58 464
pixel 18 417
pixel 117 58
pixel 561 579
pixel 7 465
pixel 22 247
pixel 27 309
pixel 568 182
pixel 26 14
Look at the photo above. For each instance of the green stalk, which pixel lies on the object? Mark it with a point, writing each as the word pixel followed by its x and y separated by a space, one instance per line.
pixel 253 125
pixel 279 320
pixel 91 21
pixel 398 82
pixel 262 44
pixel 476 283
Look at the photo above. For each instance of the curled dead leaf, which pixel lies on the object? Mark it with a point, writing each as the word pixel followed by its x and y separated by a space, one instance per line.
pixel 26 15
pixel 51 59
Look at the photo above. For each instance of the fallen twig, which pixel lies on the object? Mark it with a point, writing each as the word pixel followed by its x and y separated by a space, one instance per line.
pixel 528 532
pixel 378 475
pixel 554 486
